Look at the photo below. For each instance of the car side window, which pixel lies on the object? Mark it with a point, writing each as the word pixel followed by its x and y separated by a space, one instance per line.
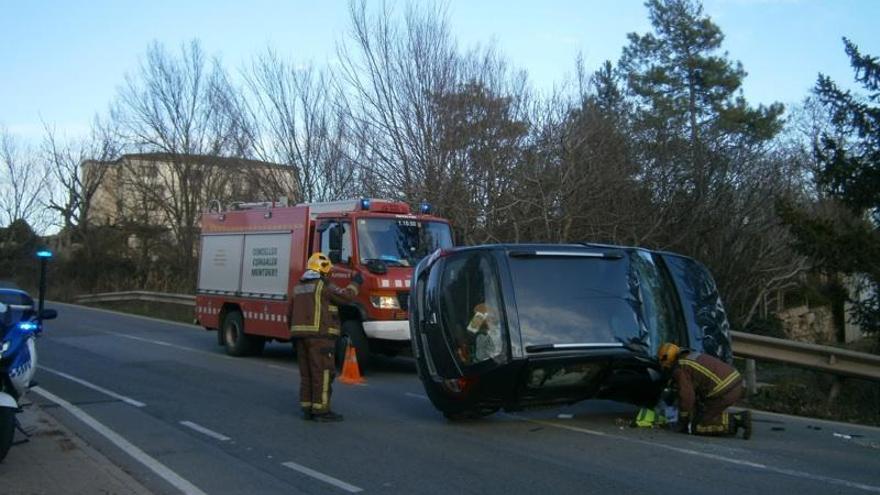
pixel 470 308
pixel 336 242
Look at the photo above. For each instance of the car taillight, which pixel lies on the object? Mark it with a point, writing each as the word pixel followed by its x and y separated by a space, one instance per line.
pixel 459 385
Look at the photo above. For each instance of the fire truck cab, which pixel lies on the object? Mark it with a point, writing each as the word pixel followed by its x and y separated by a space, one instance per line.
pixel 252 257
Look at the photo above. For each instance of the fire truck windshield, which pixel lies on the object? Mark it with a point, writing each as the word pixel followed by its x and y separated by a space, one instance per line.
pixel 400 242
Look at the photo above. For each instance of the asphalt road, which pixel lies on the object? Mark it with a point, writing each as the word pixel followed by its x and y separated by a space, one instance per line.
pixel 165 403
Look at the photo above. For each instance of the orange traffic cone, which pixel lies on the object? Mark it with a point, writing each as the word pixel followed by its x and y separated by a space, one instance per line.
pixel 351 373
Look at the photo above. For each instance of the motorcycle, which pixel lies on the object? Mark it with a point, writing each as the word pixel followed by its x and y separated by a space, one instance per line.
pixel 19 328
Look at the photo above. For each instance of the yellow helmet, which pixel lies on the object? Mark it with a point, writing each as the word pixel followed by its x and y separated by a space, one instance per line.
pixel 668 354
pixel 320 263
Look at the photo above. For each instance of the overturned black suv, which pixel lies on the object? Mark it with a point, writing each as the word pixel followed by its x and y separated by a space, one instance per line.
pixel 518 325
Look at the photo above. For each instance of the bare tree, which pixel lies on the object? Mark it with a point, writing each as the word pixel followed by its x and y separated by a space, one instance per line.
pixel 173 111
pixel 431 122
pixel 75 184
pixel 23 184
pixel 389 72
pixel 292 118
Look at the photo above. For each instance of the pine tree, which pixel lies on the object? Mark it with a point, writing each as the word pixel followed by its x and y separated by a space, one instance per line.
pixel 692 104
pixel 850 172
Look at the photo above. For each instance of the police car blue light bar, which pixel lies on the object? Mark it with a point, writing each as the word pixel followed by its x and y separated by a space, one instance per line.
pixel 44 253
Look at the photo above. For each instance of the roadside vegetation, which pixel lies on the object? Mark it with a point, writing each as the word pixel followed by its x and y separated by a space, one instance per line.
pixel 659 148
pixel 791 390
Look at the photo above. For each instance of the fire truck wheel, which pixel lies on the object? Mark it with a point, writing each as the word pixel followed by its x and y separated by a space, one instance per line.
pixel 354 332
pixel 237 342
pixel 341 347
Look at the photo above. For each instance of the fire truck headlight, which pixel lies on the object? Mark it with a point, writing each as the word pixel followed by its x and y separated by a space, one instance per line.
pixel 385 302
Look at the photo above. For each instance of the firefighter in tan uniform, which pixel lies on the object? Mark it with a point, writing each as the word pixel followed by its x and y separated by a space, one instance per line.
pixel 706 387
pixel 315 325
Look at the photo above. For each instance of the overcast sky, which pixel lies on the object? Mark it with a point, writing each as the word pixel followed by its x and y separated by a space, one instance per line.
pixel 61 61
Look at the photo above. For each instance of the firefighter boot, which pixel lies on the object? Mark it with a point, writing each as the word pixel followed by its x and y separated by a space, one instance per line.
pixel 743 420
pixel 307 414
pixel 327 417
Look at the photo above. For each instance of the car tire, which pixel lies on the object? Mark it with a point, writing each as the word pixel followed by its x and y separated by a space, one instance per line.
pixel 353 330
pixel 236 341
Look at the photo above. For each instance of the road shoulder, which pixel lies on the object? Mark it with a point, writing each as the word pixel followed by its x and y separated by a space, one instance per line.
pixel 55 460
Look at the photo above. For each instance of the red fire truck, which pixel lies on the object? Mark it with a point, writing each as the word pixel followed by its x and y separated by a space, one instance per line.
pixel 251 258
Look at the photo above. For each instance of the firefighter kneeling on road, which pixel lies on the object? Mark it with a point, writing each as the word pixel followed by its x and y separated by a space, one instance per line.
pixel 315 325
pixel 706 387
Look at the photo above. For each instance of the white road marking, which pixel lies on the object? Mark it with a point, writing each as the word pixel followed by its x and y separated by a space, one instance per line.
pixel 149 462
pixel 127 400
pixel 164 343
pixel 277 367
pixel 417 396
pixel 706 455
pixel 323 477
pixel 168 344
pixel 153 341
pixel 205 431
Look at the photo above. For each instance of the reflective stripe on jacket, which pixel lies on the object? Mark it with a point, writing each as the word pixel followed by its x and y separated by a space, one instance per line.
pixel 699 377
pixel 315 310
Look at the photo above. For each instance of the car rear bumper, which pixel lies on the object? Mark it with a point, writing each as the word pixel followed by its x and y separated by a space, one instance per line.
pixel 387 330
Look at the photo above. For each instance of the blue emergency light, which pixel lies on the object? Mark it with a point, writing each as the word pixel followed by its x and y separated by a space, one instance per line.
pixel 44 253
pixel 27 326
pixel 425 208
pixel 365 204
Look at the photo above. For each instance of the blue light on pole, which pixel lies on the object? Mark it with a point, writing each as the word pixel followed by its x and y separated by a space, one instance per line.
pixel 45 253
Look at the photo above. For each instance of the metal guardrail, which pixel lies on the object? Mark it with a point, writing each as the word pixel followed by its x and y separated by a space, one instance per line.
pixel 138 295
pixel 820 357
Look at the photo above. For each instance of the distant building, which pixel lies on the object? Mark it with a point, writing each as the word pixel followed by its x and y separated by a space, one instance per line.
pixel 157 189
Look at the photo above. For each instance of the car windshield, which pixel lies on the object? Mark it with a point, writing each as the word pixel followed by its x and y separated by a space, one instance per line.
pixel 573 300
pixel 16 299
pixel 400 242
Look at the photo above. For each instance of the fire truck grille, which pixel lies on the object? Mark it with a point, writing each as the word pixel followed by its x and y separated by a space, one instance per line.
pixel 403 300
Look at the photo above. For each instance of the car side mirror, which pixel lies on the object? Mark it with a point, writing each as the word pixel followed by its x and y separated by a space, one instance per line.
pixel 376 266
pixel 49 314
